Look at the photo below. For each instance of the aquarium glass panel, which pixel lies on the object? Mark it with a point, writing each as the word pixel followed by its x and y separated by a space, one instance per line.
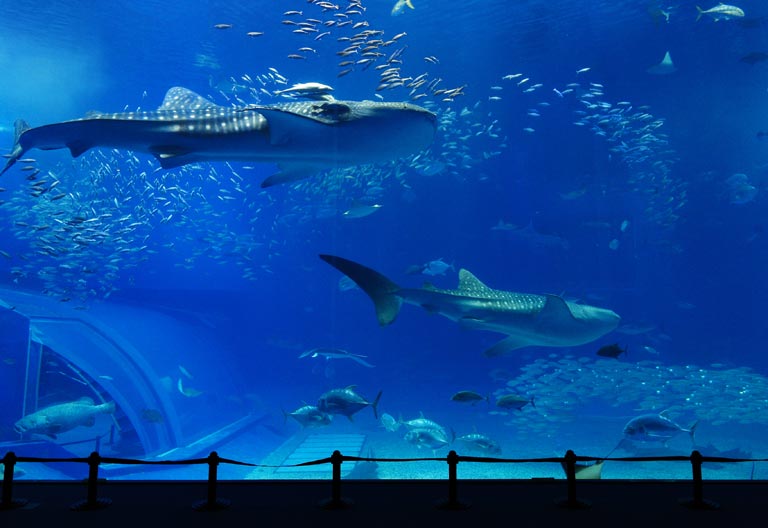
pixel 392 228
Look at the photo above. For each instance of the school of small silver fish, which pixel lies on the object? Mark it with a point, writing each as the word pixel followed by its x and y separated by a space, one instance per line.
pixel 90 223
pixel 563 386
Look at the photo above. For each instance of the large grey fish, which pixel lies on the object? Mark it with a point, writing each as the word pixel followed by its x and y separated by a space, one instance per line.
pixel 527 319
pixel 655 428
pixel 431 438
pixel 480 443
pixel 63 417
pixel 309 416
pixel 302 137
pixel 346 402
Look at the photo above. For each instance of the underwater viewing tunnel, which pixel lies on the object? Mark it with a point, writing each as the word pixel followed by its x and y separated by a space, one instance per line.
pixel 78 381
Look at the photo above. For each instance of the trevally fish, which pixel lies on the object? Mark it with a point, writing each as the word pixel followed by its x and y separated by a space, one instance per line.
pixel 721 12
pixel 433 268
pixel 63 417
pixel 514 401
pixel 309 416
pixel 527 319
pixel 421 423
pixel 480 443
pixel 302 137
pixel 346 402
pixel 429 438
pixel 655 428
pixel 468 396
pixel 389 423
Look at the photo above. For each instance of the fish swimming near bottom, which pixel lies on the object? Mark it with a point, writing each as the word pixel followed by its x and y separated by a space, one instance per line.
pixel 302 137
pixel 527 319
pixel 481 443
pixel 428 437
pixel 611 351
pixel 63 417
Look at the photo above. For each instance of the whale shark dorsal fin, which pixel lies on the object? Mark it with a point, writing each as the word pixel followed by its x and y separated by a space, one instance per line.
pixel 179 98
pixel 467 281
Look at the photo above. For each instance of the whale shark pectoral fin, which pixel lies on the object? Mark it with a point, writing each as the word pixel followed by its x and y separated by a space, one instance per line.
pixel 284 123
pixel 289 173
pixel 472 323
pixel 507 345
pixel 76 148
pixel 555 309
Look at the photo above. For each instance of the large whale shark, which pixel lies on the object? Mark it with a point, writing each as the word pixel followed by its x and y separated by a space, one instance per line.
pixel 527 319
pixel 302 137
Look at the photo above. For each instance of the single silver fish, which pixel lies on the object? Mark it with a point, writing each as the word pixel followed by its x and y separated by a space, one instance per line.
pixel 655 428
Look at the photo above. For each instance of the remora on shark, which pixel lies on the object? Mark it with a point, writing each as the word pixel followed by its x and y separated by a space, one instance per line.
pixel 302 137
pixel 527 319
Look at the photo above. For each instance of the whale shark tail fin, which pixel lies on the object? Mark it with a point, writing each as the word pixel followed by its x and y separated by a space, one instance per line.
pixel 17 151
pixel 381 290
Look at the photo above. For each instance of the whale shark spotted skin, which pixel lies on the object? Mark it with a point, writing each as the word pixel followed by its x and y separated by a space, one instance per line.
pixel 302 137
pixel 526 319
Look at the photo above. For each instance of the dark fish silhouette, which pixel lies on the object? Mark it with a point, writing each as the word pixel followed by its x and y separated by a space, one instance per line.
pixel 754 57
pixel 612 351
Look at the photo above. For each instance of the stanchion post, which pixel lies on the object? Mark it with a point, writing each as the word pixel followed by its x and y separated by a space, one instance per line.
pixel 336 502
pixel 698 502
pixel 212 502
pixel 452 502
pixel 92 501
pixel 570 475
pixel 8 502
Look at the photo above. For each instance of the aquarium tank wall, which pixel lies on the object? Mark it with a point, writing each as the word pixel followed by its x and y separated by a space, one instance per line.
pixel 389 227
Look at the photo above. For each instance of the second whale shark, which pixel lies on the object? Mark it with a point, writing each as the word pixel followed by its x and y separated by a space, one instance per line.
pixel 527 319
pixel 301 137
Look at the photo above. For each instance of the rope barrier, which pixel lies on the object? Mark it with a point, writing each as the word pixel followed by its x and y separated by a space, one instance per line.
pixel 336 501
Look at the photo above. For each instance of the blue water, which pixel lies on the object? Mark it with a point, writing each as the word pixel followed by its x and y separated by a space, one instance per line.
pixel 632 211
